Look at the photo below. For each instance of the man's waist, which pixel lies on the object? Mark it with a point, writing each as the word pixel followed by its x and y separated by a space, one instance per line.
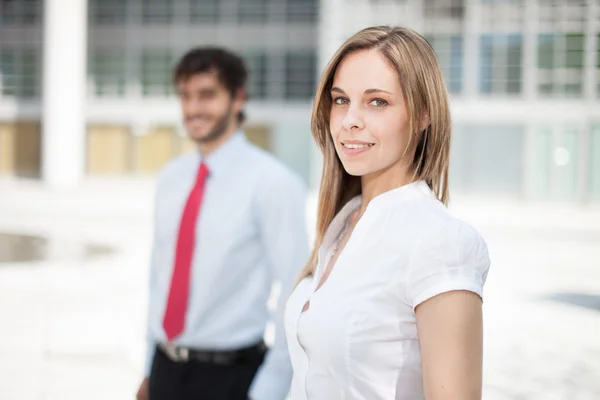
pixel 244 355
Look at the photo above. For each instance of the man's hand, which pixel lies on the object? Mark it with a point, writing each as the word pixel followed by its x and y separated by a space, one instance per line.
pixel 142 393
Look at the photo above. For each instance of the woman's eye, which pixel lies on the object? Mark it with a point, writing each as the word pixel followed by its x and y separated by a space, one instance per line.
pixel 378 102
pixel 340 100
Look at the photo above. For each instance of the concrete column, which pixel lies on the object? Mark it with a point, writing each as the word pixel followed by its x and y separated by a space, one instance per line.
pixel 589 63
pixel 530 33
pixel 471 56
pixel 63 115
pixel 590 84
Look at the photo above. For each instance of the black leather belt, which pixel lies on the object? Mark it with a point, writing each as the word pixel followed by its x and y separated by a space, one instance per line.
pixel 220 357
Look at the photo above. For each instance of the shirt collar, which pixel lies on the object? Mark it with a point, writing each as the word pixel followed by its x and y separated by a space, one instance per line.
pixel 224 156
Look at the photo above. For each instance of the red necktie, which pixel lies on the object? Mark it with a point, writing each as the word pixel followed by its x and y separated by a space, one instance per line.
pixel 174 318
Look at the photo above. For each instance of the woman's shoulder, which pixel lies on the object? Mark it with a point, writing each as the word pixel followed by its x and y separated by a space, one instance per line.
pixel 428 223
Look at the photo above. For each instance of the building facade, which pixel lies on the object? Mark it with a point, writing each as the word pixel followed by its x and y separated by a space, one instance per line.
pixel 86 88
pixel 524 81
pixel 523 76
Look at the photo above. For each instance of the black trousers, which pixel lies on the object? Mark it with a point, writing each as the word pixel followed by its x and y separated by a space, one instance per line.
pixel 193 380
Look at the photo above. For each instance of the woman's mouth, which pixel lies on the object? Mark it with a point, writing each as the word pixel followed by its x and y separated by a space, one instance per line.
pixel 355 148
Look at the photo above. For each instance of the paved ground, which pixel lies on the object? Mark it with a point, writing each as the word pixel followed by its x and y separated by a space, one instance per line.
pixel 72 320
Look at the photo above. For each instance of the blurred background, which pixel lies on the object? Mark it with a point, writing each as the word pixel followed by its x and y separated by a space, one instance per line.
pixel 88 116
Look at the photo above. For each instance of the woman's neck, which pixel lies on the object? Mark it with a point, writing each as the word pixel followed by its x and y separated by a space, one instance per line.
pixel 383 181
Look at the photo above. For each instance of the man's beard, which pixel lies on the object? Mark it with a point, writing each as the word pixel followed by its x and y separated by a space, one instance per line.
pixel 219 129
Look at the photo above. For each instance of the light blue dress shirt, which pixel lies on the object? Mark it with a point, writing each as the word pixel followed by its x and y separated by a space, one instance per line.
pixel 250 234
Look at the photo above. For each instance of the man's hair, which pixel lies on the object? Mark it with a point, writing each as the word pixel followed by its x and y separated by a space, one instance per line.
pixel 230 69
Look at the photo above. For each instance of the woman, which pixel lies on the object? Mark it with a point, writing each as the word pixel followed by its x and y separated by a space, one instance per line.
pixel 389 304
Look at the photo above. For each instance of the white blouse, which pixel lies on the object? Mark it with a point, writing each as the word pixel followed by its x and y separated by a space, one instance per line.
pixel 358 339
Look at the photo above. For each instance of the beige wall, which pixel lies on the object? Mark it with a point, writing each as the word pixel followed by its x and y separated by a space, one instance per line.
pixel 260 135
pixel 7 152
pixel 154 149
pixel 20 148
pixel 108 150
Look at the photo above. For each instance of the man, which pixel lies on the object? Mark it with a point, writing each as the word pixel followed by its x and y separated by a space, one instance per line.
pixel 229 222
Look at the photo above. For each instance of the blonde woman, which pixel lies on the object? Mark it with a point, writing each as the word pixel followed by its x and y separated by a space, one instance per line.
pixel 389 305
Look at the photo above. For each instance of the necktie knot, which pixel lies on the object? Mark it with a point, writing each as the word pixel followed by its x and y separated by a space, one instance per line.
pixel 202 172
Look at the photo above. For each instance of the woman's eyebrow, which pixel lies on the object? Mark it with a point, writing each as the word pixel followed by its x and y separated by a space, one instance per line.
pixel 371 91
pixel 368 91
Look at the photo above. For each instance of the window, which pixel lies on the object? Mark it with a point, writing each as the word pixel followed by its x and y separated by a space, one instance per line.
pixel 107 69
pixel 449 50
pixel 500 65
pixel 156 73
pixel 20 12
pixel 254 11
pixel 554 14
pixel 488 158
pixel 560 64
pixel 444 9
pixel 257 74
pixel 204 11
pixel 502 15
pixel 302 11
pixel 300 75
pixel 594 157
pixel 108 12
pixel 598 65
pixel 19 73
pixel 157 11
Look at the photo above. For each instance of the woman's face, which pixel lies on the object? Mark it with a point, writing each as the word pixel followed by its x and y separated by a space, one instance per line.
pixel 369 122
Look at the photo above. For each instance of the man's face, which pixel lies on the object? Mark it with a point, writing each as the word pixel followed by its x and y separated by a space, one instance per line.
pixel 208 108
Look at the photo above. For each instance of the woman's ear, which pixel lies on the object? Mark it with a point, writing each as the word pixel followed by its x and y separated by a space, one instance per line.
pixel 425 122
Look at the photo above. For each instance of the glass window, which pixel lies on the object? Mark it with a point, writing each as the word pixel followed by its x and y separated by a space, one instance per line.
pixel 595 163
pixel 554 15
pixel 488 158
pixel 107 69
pixel 204 11
pixel 566 164
pixel 257 70
pixel 157 11
pixel 302 10
pixel 500 65
pixel 20 12
pixel 300 74
pixel 502 14
pixel 449 51
pixel 560 64
pixel 444 9
pixel 108 12
pixel 253 11
pixel 19 73
pixel 541 174
pixel 156 73
pixel 598 64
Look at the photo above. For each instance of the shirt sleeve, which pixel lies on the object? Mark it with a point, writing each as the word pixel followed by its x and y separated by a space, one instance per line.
pixel 282 215
pixel 453 258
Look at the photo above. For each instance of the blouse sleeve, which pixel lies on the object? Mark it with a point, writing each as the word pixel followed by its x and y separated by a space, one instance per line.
pixel 454 257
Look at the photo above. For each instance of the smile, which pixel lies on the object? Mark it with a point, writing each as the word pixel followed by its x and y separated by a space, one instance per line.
pixel 352 149
pixel 356 145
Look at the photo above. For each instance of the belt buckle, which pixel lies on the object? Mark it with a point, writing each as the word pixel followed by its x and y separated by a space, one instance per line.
pixel 176 354
pixel 169 349
pixel 184 354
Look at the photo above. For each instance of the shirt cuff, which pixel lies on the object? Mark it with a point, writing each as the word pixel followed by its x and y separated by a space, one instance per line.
pixel 268 385
pixel 149 358
pixel 447 286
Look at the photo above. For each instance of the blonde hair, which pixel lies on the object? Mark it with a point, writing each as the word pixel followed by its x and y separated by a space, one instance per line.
pixel 425 97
